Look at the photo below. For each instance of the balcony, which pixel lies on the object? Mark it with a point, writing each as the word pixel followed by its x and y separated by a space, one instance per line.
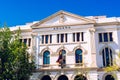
pixel 55 67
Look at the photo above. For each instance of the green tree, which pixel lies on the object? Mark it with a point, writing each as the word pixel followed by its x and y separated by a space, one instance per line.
pixel 14 58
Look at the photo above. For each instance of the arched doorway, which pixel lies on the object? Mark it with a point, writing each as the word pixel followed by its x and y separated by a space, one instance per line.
pixel 109 77
pixel 46 77
pixel 63 77
pixel 80 77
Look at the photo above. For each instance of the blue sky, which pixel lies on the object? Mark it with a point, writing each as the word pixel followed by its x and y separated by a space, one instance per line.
pixel 18 12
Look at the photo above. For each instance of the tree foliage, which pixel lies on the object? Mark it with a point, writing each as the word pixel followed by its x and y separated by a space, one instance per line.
pixel 115 66
pixel 14 58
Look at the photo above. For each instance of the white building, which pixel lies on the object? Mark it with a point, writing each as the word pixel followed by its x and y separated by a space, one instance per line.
pixel 88 44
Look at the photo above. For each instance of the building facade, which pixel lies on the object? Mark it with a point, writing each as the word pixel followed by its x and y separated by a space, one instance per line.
pixel 67 46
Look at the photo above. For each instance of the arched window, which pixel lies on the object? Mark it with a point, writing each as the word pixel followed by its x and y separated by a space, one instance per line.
pixel 62 77
pixel 78 56
pixel 80 77
pixel 109 77
pixel 46 77
pixel 46 57
pixel 107 57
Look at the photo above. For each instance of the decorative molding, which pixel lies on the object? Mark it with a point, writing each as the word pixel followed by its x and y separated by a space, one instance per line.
pixel 110 73
pixel 92 30
pixel 106 23
pixel 43 50
pixel 34 34
pixel 62 47
pixel 62 18
pixel 79 47
pixel 36 25
pixel 54 44
pixel 60 25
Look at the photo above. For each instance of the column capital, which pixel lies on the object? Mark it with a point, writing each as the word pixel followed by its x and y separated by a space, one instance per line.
pixel 34 34
pixel 92 30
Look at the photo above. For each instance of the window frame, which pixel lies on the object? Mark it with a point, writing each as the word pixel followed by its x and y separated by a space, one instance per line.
pixel 103 39
pixel 62 38
pixel 79 60
pixel 46 60
pixel 107 57
pixel 78 36
pixel 46 39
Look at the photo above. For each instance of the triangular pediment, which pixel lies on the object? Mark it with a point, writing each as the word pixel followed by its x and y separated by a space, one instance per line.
pixel 62 18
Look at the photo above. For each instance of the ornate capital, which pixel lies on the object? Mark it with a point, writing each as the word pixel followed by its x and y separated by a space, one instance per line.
pixel 92 30
pixel 34 34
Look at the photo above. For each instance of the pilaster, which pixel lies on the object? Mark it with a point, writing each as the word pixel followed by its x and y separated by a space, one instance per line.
pixel 93 48
pixel 36 42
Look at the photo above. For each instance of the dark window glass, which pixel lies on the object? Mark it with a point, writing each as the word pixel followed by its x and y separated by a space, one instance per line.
pixel 62 77
pixel 78 36
pixel 25 41
pixel 78 56
pixel 105 37
pixel 103 56
pixel 46 39
pixel 100 37
pixel 109 77
pixel 46 57
pixel 82 36
pixel 65 37
pixel 73 37
pixel 46 77
pixel 20 40
pixel 111 57
pixel 62 37
pixel 29 43
pixel 42 39
pixel 50 38
pixel 110 34
pixel 57 38
pixel 107 57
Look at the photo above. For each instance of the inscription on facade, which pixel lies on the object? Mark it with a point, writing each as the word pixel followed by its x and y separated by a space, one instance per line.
pixel 61 28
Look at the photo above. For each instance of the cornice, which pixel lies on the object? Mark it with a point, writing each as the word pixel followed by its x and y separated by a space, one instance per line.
pixel 76 24
pixel 61 25
pixel 107 29
pixel 106 23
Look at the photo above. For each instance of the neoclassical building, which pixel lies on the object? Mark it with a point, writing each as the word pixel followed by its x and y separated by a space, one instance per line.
pixel 67 46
